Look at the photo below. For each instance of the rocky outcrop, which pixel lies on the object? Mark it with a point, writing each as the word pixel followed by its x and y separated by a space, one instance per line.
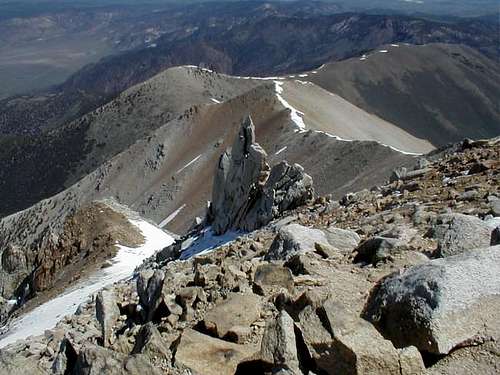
pixel 442 304
pixel 247 194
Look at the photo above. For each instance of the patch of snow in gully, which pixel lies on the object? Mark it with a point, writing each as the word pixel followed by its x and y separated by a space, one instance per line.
pixel 215 100
pixel 380 143
pixel 294 114
pixel 281 150
pixel 188 164
pixel 206 242
pixel 171 217
pixel 47 315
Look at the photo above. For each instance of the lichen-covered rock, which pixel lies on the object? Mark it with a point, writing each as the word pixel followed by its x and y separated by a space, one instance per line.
pixel 457 233
pixel 441 304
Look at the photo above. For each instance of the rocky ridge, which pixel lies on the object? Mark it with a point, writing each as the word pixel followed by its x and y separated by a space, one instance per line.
pixel 309 307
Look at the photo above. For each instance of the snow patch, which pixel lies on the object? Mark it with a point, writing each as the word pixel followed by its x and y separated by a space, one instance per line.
pixel 281 150
pixel 295 115
pixel 383 51
pixel 215 100
pixel 372 140
pixel 172 216
pixel 206 242
pixel 188 164
pixel 47 315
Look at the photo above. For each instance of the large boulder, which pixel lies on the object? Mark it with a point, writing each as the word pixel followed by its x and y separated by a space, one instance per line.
pixel 342 239
pixel 441 304
pixel 202 354
pixel 278 346
pixel 340 342
pixel 107 314
pixel 247 194
pixel 457 233
pixel 237 310
pixel 295 238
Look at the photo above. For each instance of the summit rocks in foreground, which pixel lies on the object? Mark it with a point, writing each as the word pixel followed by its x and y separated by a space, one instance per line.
pixel 309 308
pixel 247 194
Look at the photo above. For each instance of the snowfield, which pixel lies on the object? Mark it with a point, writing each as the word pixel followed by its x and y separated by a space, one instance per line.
pixel 47 315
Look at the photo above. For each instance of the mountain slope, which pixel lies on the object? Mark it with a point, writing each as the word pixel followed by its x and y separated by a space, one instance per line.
pixel 438 92
pixel 270 45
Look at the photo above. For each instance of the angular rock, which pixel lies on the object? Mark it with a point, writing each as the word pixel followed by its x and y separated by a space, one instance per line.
pixel 356 346
pixel 237 310
pixel 457 233
pixel 202 354
pixel 94 360
pixel 278 346
pixel 149 289
pixel 376 249
pixel 294 238
pixel 287 187
pixel 342 239
pixel 150 343
pixel 270 277
pixel 410 361
pixel 441 304
pixel 494 205
pixel 247 194
pixel 107 314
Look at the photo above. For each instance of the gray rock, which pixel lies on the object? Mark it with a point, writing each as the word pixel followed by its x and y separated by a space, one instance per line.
pixel 150 343
pixel 107 314
pixel 342 239
pixel 294 238
pixel 376 249
pixel 149 289
pixel 441 304
pixel 494 205
pixel 278 347
pixel 269 277
pixel 356 347
pixel 94 360
pixel 202 354
pixel 457 233
pixel 236 310
pixel 238 174
pixel 247 194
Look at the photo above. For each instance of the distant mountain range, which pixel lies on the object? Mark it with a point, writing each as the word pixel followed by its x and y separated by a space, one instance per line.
pixel 245 39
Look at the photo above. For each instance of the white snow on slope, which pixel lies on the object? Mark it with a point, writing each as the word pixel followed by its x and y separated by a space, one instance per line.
pixel 206 242
pixel 47 315
pixel 281 150
pixel 380 143
pixel 171 217
pixel 215 100
pixel 188 164
pixel 295 115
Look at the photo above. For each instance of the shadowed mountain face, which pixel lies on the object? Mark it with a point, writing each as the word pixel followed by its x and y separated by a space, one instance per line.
pixel 438 92
pixel 248 41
